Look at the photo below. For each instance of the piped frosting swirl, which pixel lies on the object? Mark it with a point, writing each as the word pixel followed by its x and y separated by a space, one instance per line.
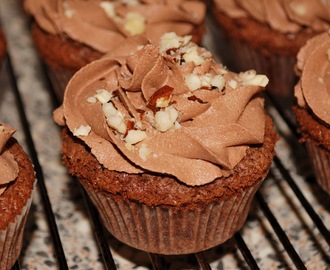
pixel 313 66
pixel 8 164
pixel 102 24
pixel 288 16
pixel 169 109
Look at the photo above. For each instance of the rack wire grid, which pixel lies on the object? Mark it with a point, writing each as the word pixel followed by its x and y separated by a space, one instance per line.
pixel 286 227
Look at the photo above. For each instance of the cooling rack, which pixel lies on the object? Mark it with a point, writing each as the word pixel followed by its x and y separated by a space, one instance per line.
pixel 287 227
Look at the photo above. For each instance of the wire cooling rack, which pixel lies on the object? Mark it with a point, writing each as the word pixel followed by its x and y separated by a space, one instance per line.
pixel 287 227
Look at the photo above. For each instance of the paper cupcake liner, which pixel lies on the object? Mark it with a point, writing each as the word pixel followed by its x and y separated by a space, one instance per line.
pixel 239 56
pixel 279 69
pixel 166 230
pixel 59 80
pixel 11 239
pixel 321 164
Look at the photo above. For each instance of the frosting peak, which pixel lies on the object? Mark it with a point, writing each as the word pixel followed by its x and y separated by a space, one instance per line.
pixel 287 16
pixel 8 165
pixel 313 65
pixel 168 109
pixel 102 24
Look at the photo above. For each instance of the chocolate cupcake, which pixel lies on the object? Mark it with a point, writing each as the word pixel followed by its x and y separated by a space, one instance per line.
pixel 312 107
pixel 70 34
pixel 267 35
pixel 169 145
pixel 17 186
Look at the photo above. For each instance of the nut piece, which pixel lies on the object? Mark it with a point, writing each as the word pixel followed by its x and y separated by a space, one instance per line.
pixel 135 23
pixel 161 98
pixel 207 80
pixel 117 122
pixel 109 109
pixel 135 136
pixel 300 9
pixel 82 130
pixel 167 119
pixel 103 95
pixel 69 13
pixel 233 84
pixel 192 56
pixel 171 40
pixel 251 77
pixel 144 152
pixel 193 81
pixel 108 8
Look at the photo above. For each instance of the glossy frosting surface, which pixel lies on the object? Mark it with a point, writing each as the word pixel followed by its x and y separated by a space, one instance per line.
pixel 286 16
pixel 102 24
pixel 313 66
pixel 8 165
pixel 169 109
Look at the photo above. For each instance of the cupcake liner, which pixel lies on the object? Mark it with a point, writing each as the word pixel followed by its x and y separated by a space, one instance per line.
pixel 239 55
pixel 279 69
pixel 321 164
pixel 59 80
pixel 11 239
pixel 169 230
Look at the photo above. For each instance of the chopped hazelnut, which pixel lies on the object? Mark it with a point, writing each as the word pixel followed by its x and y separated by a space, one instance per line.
pixel 144 152
pixel 233 84
pixel 108 8
pixel 82 130
pixel 165 119
pixel 192 56
pixel 103 95
pixel 161 98
pixel 172 41
pixel 135 136
pixel 193 81
pixel 134 23
pixel 117 122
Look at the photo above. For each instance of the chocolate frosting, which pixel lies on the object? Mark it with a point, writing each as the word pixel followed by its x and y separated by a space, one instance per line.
pixel 313 66
pixel 165 122
pixel 8 164
pixel 102 24
pixel 286 16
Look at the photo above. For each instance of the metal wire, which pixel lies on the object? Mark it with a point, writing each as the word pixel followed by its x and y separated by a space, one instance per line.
pixel 157 261
pixel 59 252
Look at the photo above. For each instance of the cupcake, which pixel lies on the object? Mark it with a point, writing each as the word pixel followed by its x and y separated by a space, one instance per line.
pixel 312 108
pixel 267 35
pixel 170 146
pixel 70 34
pixel 16 189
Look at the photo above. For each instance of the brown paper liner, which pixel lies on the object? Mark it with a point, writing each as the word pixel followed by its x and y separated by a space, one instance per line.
pixel 239 56
pixel 165 230
pixel 59 80
pixel 279 69
pixel 11 239
pixel 321 164
pixel 244 43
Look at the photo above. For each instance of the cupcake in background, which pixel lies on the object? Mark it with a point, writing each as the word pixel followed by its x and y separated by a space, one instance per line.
pixel 70 34
pixel 312 108
pixel 170 146
pixel 17 185
pixel 267 35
